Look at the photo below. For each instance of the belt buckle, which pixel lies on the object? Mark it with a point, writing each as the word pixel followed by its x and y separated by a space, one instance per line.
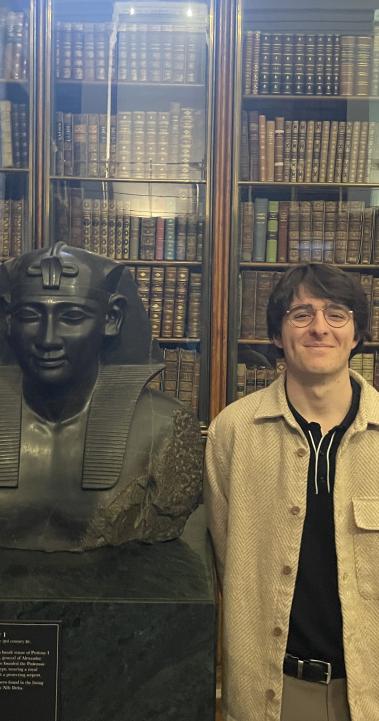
pixel 327 670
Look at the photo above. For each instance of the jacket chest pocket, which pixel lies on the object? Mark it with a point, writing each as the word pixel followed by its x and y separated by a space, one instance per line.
pixel 366 545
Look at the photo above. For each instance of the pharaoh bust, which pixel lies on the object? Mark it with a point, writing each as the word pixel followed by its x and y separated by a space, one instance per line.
pixel 89 455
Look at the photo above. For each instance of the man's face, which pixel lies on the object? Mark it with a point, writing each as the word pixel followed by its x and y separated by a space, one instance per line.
pixel 318 350
pixel 56 340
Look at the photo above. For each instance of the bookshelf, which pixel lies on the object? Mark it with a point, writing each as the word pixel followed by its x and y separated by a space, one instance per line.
pixel 127 167
pixel 305 164
pixel 17 109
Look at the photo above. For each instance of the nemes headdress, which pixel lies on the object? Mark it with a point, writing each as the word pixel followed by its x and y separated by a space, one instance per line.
pixel 69 272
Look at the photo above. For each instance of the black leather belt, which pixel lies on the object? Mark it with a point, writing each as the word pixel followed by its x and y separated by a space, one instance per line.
pixel 312 669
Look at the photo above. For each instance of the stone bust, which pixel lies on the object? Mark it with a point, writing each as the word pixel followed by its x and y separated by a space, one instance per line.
pixel 89 455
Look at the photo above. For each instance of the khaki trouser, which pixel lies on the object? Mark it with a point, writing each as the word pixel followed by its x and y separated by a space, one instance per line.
pixel 307 701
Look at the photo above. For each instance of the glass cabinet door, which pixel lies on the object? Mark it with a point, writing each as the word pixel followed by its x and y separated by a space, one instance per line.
pixel 17 107
pixel 128 171
pixel 306 172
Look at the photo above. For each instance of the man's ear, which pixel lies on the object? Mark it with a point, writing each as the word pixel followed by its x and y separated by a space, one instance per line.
pixel 277 341
pixel 115 315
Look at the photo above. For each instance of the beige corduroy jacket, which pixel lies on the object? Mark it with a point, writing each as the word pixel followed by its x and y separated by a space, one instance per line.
pixel 257 463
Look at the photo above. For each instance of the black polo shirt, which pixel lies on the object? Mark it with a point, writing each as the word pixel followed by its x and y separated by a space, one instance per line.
pixel 315 629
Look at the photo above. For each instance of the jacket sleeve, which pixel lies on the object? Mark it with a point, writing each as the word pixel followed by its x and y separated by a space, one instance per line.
pixel 216 502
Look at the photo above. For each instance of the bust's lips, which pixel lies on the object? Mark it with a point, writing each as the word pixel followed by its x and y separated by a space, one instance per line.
pixel 49 360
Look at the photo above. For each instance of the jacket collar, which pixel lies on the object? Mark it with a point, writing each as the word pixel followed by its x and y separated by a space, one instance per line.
pixel 274 404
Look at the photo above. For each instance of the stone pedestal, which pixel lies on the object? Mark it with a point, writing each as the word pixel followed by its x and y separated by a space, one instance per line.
pixel 138 626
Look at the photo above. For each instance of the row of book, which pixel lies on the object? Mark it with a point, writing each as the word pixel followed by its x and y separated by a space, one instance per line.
pixel 308 151
pixel 12 227
pixel 181 376
pixel 251 379
pixel 14 45
pixel 138 144
pixel 255 290
pixel 172 299
pixel 310 64
pixel 107 227
pixel 14 145
pixel 159 53
pixel 309 230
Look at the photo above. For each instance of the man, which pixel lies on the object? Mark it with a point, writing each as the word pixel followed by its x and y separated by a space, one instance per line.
pixel 89 456
pixel 293 502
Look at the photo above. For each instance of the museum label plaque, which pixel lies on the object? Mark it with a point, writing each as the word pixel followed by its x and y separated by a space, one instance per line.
pixel 29 661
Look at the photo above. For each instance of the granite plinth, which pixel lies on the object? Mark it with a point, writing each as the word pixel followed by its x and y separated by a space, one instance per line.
pixel 138 625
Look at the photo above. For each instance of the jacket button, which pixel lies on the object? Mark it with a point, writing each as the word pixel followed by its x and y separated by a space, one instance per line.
pixel 301 452
pixel 277 631
pixel 270 694
pixel 295 510
pixel 287 570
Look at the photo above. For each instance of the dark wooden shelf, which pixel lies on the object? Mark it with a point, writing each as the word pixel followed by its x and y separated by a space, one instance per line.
pixel 172 181
pixel 281 184
pixel 129 83
pixel 183 341
pixel 14 170
pixel 344 266
pixel 132 262
pixel 267 341
pixel 316 98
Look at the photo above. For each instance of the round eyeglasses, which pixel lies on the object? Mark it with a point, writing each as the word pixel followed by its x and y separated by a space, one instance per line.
pixel 335 315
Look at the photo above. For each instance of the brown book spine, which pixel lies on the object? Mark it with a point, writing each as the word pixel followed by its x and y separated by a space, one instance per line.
pixel 279 149
pixel 283 231
pixel 119 229
pixel 194 305
pixel 316 151
pixel 309 151
pixel 342 229
pixel 301 151
pixel 104 227
pixel 330 230
pixel 367 235
pixel 270 150
pixel 375 251
pixel 95 235
pixel 294 232
pixel 168 302
pixel 248 44
pixel 339 152
pixel 245 151
pixel 287 150
pixel 362 152
pixel 187 360
pixel 17 227
pixel 354 151
pixel 305 219
pixel 366 282
pixel 265 282
pixel 156 300
pixel 347 152
pixel 143 280
pixel 111 229
pixel 332 151
pixel 317 237
pixel 248 300
pixel 181 300
pixel 171 371
pixel 262 147
pixel 375 311
pixel 370 149
pixel 87 223
pixel 294 150
pixel 355 229
pixel 253 153
pixel 247 230
pixel 191 246
pixel 326 137
pixel 147 239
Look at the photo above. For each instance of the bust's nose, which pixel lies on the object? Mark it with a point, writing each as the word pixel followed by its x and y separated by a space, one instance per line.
pixel 48 336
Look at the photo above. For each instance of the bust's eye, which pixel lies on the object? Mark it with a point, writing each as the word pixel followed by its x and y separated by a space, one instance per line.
pixel 73 316
pixel 26 315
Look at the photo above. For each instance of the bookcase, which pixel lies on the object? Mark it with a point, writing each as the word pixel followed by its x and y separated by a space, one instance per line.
pixel 305 165
pixel 127 137
pixel 17 111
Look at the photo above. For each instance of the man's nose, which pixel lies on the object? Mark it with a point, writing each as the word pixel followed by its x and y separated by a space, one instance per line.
pixel 48 336
pixel 319 324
